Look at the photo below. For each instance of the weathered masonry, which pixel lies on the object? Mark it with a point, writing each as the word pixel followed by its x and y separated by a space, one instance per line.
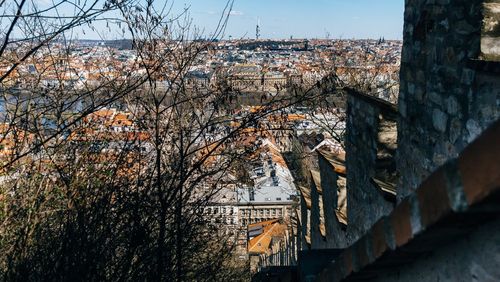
pixel 450 83
pixel 416 197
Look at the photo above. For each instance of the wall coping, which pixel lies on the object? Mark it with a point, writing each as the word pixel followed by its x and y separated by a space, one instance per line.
pixel 389 108
pixel 484 65
pixel 457 197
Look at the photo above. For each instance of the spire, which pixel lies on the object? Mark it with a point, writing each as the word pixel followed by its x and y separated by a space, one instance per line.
pixel 257 30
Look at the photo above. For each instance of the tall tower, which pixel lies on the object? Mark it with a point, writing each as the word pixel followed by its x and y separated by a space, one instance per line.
pixel 257 30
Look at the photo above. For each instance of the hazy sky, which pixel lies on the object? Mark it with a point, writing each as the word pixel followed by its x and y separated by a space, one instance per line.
pixel 281 19
pixel 303 18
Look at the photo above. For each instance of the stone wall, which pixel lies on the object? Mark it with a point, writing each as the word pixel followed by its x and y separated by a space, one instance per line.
pixel 448 230
pixel 446 97
pixel 365 202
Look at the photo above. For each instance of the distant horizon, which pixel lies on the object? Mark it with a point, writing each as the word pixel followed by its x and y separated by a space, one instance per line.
pixel 278 20
pixel 253 39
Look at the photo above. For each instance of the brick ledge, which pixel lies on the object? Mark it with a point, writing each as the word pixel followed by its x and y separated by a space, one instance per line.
pixel 460 195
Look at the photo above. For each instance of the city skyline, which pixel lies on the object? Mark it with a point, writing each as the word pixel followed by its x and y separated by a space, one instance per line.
pixel 359 19
pixel 334 19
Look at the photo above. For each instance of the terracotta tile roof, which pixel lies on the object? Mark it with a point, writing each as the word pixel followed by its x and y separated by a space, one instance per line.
pixel 261 243
pixel 276 155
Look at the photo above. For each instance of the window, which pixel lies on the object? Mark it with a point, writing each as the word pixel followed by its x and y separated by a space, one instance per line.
pixel 268 199
pixel 490 33
pixel 278 199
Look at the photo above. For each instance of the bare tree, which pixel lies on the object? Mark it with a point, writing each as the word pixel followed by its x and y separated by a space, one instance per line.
pixel 80 201
pixel 84 197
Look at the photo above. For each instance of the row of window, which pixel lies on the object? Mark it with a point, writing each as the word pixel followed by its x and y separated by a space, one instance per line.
pixel 247 221
pixel 225 220
pixel 220 210
pixel 261 212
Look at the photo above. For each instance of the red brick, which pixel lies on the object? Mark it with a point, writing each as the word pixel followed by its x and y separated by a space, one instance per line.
pixel 401 223
pixel 361 253
pixel 479 165
pixel 346 258
pixel 378 238
pixel 433 198
pixel 338 272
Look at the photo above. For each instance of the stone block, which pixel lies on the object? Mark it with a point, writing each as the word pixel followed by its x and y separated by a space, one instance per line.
pixel 421 77
pixel 415 217
pixel 464 28
pixel 468 77
pixel 439 158
pixel 443 2
pixel 445 24
pixel 419 94
pixel 473 129
pixel 435 97
pixel 439 120
pixel 455 130
pixel 454 185
pixel 411 89
pixel 450 55
pixel 452 106
pixel 402 109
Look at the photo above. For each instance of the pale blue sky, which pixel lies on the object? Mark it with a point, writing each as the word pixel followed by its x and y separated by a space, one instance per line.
pixel 280 19
pixel 304 19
